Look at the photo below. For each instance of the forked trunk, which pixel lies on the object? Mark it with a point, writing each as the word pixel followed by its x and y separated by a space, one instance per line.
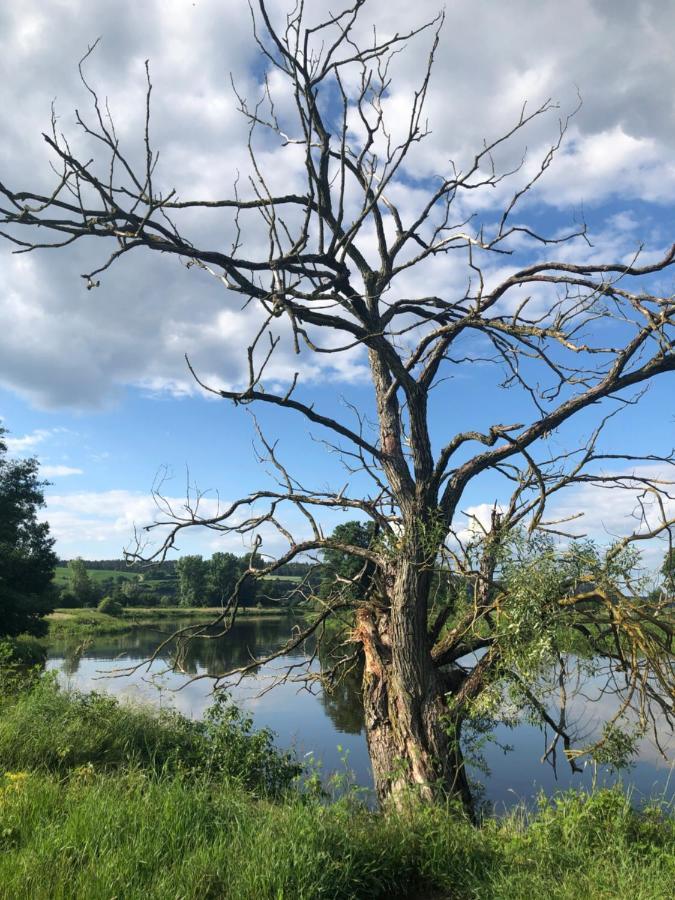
pixel 412 745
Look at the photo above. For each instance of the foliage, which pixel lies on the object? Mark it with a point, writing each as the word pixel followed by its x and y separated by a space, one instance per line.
pixel 20 658
pixel 191 572
pixel 668 570
pixel 159 586
pixel 88 622
pixel 230 745
pixel 47 729
pixel 557 609
pixel 339 565
pixel 27 560
pixel 110 607
pixel 223 572
pixel 80 585
pixel 96 572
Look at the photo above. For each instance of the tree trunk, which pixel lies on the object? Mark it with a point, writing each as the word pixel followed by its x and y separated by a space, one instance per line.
pixel 414 748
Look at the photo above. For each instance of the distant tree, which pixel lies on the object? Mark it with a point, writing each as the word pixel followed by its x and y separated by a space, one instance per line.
pixel 274 589
pixel 191 571
pixel 110 607
pixel 223 572
pixel 248 588
pixel 68 600
pixel 80 584
pixel 343 571
pixel 131 593
pixel 27 561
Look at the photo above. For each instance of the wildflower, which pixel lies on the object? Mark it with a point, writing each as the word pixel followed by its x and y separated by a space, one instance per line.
pixel 14 780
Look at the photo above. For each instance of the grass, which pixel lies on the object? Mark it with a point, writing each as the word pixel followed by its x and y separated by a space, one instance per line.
pixel 62 575
pixel 21 651
pixel 104 800
pixel 192 612
pixel 85 622
pixel 295 579
pixel 97 835
pixel 89 622
pixel 43 728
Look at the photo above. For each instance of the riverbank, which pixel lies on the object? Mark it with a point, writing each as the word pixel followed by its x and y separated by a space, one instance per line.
pixel 100 799
pixel 89 622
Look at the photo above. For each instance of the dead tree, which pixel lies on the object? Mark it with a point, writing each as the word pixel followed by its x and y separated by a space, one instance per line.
pixel 444 623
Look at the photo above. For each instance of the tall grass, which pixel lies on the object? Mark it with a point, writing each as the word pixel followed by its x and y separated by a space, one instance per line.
pixel 45 729
pixel 104 800
pixel 21 651
pixel 130 835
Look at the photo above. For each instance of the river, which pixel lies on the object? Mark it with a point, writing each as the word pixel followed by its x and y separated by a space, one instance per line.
pixel 327 728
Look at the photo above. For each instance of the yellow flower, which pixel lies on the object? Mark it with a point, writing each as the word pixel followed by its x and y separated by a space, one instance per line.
pixel 85 772
pixel 15 780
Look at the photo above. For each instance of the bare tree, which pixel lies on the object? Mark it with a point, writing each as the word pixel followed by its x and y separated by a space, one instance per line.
pixel 444 623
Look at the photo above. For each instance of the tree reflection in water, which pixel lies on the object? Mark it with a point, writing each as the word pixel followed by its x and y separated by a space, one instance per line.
pixel 251 636
pixel 320 724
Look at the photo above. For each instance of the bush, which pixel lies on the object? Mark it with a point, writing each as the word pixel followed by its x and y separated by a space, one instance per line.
pixel 68 600
pixel 48 729
pixel 110 607
pixel 23 650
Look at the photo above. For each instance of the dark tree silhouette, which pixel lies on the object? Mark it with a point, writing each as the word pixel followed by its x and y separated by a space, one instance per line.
pixel 27 561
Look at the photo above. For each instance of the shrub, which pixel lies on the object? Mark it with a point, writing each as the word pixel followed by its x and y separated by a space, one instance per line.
pixel 110 607
pixel 22 650
pixel 48 729
pixel 68 600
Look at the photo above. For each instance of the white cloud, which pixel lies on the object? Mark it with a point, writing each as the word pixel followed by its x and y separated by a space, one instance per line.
pixel 604 514
pixel 476 521
pixel 102 524
pixel 610 513
pixel 70 347
pixel 59 471
pixel 102 515
pixel 19 445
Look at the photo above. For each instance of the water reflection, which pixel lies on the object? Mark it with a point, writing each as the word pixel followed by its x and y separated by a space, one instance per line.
pixel 251 636
pixel 314 724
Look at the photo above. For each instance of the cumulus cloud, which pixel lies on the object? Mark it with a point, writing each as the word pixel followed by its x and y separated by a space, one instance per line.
pixel 102 524
pixel 28 442
pixel 59 471
pixel 20 445
pixel 70 347
pixel 610 513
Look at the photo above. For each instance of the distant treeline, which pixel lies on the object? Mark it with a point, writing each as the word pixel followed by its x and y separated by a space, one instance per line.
pixel 188 581
pixel 168 566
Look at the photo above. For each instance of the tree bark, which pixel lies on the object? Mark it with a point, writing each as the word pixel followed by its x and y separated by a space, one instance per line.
pixel 413 743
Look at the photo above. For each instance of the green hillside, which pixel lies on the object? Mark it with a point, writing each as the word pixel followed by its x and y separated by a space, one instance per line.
pixel 61 575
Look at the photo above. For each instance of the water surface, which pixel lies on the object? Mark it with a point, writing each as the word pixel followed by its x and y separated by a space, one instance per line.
pixel 328 727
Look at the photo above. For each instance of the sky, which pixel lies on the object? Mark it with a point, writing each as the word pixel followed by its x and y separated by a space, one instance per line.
pixel 94 383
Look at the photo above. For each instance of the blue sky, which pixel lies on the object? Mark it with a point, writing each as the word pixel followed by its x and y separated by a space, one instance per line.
pixel 95 384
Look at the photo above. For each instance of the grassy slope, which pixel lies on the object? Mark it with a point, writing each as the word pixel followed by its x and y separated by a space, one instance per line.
pixel 61 575
pixel 90 622
pixel 108 801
